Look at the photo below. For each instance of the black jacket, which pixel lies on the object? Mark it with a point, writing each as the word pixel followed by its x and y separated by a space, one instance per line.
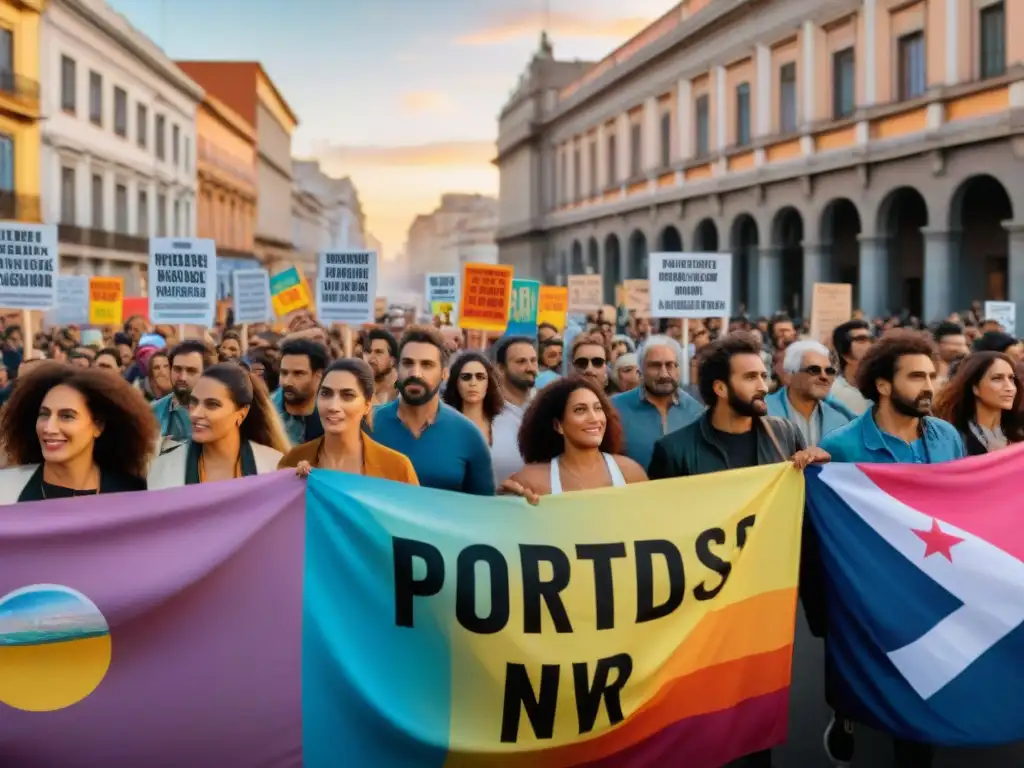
pixel 693 449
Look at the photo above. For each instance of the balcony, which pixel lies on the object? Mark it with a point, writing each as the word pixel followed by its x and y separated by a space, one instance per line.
pixel 98 238
pixel 15 207
pixel 21 89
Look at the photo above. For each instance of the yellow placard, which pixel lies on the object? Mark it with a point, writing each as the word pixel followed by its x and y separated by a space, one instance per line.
pixel 486 290
pixel 553 305
pixel 106 297
pixel 288 291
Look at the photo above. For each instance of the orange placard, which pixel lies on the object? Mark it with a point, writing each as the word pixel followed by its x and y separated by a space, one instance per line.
pixel 106 300
pixel 553 305
pixel 486 290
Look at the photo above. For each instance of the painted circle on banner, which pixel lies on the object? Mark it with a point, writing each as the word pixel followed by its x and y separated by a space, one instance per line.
pixel 54 647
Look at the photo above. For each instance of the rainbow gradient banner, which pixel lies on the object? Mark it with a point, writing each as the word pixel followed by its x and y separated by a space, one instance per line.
pixel 352 621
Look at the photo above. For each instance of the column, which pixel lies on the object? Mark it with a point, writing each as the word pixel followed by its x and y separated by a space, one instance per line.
pixel 868 71
pixel 586 171
pixel 109 202
pixel 83 193
pixel 684 121
pixel 951 42
pixel 769 285
pixel 720 111
pixel 816 270
pixel 622 149
pixel 807 85
pixel 602 159
pixel 570 170
pixel 873 274
pixel 763 69
pixel 939 273
pixel 651 136
pixel 134 288
pixel 1015 264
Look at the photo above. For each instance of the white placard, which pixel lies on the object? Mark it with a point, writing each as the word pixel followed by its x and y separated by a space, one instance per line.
pixel 1004 313
pixel 695 285
pixel 442 286
pixel 28 265
pixel 250 292
pixel 182 281
pixel 72 304
pixel 346 286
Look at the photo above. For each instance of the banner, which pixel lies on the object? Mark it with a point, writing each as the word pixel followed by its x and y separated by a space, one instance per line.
pixel 285 622
pixel 106 300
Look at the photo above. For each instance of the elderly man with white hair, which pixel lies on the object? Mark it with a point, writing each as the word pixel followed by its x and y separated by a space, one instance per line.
pixel 804 400
pixel 658 406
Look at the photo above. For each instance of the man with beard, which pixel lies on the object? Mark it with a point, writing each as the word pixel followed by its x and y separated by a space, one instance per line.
pixel 302 367
pixel 659 407
pixel 447 450
pixel 516 360
pixel 381 354
pixel 188 361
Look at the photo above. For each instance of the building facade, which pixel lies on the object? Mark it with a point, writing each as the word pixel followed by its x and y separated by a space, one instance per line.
pixel 345 220
pixel 246 88
pixel 461 229
pixel 19 109
pixel 875 142
pixel 118 141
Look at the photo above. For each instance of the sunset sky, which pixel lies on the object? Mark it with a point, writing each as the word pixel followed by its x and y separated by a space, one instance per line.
pixel 402 95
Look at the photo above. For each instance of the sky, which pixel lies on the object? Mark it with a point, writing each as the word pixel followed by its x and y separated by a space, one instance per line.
pixel 401 95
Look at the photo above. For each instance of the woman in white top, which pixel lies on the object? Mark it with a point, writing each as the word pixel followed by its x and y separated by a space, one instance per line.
pixel 236 432
pixel 571 440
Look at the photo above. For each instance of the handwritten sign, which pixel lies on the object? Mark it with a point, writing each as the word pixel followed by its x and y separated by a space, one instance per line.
pixel 522 308
pixel 182 281
pixel 250 292
pixel 553 306
pixel 28 265
pixel 586 294
pixel 831 306
pixel 106 300
pixel 347 286
pixel 486 290
pixel 288 291
pixel 693 285
pixel 637 296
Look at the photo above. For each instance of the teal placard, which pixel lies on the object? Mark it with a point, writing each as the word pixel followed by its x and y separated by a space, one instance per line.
pixel 522 308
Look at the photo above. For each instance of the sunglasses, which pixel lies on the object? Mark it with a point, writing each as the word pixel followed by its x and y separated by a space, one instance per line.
pixel 817 370
pixel 581 363
pixel 471 376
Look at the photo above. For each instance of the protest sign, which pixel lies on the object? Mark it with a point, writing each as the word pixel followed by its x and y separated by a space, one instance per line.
pixel 29 264
pixel 250 292
pixel 182 281
pixel 288 291
pixel 690 285
pixel 106 299
pixel 71 306
pixel 442 293
pixel 831 306
pixel 586 294
pixel 553 306
pixel 1004 313
pixel 522 308
pixel 637 297
pixel 486 289
pixel 135 306
pixel 347 286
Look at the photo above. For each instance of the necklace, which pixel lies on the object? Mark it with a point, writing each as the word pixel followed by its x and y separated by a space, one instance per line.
pixel 586 474
pixel 99 478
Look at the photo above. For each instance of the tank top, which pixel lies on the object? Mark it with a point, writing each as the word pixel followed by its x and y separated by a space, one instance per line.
pixel 613 470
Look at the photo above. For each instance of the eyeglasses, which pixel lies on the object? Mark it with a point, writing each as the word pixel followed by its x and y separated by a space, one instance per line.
pixel 581 363
pixel 471 376
pixel 817 370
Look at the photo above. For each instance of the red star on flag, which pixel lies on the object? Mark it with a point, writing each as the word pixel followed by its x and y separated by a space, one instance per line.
pixel 937 541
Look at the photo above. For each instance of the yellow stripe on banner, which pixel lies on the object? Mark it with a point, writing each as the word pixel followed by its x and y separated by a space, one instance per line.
pixel 749 611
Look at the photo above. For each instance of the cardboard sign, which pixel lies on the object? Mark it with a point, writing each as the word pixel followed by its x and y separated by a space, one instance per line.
pixel 690 285
pixel 637 297
pixel 586 294
pixel 486 290
pixel 288 291
pixel 29 264
pixel 831 306
pixel 553 306
pixel 250 294
pixel 522 308
pixel 182 280
pixel 346 286
pixel 106 300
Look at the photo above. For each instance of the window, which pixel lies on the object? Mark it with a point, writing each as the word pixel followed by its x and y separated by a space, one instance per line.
pixel 67 197
pixel 175 144
pixel 161 215
pixel 843 84
pixel 563 177
pixel 120 112
pixel 97 201
pixel 95 98
pixel 742 114
pixel 187 222
pixel 636 148
pixel 577 174
pixel 992 42
pixel 160 138
pixel 143 221
pixel 121 209
pixel 666 139
pixel 592 151
pixel 177 219
pixel 6 51
pixel 188 154
pixel 6 163
pixel 141 124
pixel 613 160
pixel 702 118
pixel 911 66
pixel 787 98
pixel 68 85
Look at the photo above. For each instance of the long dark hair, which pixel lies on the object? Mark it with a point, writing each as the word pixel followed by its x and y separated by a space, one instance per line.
pixel 262 425
pixel 130 432
pixel 539 442
pixel 363 374
pixel 958 404
pixel 493 402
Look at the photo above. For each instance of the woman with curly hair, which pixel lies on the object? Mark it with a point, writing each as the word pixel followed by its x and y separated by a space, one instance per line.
pixel 571 440
pixel 476 393
pixel 983 401
pixel 71 431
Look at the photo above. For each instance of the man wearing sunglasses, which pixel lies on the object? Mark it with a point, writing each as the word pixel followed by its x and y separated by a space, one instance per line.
pixel 804 400
pixel 590 360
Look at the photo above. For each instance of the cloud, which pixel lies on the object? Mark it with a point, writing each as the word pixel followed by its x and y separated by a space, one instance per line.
pixel 436 154
pixel 426 101
pixel 559 25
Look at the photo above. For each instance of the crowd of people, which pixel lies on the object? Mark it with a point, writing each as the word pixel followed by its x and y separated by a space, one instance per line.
pixel 90 411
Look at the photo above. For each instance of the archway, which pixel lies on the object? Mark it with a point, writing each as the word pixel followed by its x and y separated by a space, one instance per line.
pixel 577 258
pixel 705 237
pixel 840 228
pixel 670 241
pixel 981 250
pixel 788 238
pixel 743 241
pixel 612 267
pixel 593 264
pixel 637 264
pixel 901 216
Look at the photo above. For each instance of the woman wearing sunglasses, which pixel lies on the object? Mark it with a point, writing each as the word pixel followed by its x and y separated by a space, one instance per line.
pixel 808 376
pixel 475 394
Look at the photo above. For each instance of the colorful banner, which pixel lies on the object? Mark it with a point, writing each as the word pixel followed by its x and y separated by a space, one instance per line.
pixel 553 305
pixel 288 291
pixel 106 300
pixel 522 308
pixel 486 290
pixel 277 632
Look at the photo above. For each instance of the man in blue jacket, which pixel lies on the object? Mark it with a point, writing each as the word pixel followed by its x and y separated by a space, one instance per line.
pixel 805 400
